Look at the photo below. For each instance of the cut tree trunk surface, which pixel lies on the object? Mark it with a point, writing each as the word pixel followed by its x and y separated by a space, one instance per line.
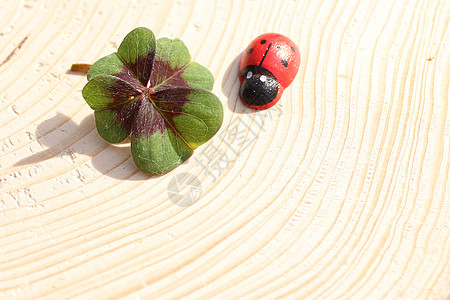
pixel 340 191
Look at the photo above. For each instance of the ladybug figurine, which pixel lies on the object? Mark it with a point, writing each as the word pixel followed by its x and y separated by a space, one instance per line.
pixel 267 67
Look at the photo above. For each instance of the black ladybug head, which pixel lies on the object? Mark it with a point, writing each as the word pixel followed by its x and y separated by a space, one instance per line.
pixel 258 87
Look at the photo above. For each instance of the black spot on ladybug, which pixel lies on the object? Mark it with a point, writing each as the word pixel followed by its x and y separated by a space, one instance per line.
pixel 284 62
pixel 263 42
pixel 250 51
pixel 293 48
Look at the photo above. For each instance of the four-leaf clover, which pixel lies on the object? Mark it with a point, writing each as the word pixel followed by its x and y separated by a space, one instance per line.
pixel 152 91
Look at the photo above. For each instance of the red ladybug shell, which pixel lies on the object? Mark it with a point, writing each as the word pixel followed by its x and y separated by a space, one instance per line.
pixel 267 67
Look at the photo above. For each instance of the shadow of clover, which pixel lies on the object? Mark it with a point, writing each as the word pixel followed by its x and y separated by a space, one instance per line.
pixel 66 139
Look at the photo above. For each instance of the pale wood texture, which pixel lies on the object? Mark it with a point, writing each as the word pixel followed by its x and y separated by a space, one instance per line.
pixel 341 191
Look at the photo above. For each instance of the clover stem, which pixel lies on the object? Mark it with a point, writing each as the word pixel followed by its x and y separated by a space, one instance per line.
pixel 82 68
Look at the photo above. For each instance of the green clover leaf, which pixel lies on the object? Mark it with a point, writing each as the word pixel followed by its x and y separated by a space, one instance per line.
pixel 151 90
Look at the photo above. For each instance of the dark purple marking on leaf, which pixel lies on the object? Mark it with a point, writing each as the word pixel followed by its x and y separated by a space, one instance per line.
pixel 126 114
pixel 128 76
pixel 157 110
pixel 169 102
pixel 148 120
pixel 154 92
pixel 163 76
pixel 122 92
pixel 142 68
pixel 148 110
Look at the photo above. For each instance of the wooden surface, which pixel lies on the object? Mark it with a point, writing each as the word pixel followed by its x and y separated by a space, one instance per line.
pixel 341 191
